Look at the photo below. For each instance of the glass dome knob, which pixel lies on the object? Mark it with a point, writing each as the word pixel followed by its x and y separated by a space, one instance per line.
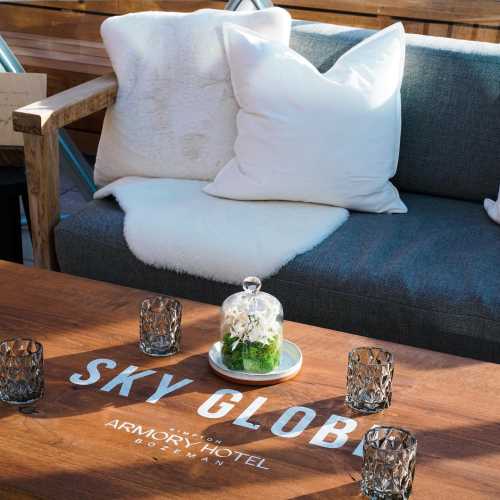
pixel 252 284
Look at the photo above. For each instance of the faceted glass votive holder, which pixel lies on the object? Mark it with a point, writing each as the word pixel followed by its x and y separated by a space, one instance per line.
pixel 21 371
pixel 389 455
pixel 160 326
pixel 369 379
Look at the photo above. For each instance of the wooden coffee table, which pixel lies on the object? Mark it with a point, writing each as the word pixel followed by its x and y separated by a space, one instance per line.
pixel 90 442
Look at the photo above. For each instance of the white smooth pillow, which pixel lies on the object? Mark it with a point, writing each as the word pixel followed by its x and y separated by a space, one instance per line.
pixel 328 138
pixel 175 113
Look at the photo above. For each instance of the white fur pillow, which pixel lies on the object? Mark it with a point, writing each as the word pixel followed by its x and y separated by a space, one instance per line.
pixel 328 138
pixel 175 114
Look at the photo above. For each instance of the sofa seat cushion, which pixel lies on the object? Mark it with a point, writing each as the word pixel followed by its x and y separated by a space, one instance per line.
pixel 429 278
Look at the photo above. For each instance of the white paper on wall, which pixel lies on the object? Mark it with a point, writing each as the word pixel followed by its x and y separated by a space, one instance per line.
pixel 18 90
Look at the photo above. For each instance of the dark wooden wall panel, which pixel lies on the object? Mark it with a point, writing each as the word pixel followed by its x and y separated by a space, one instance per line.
pixel 469 19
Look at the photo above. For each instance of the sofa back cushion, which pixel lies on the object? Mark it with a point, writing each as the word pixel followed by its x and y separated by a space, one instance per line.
pixel 175 113
pixel 330 138
pixel 450 138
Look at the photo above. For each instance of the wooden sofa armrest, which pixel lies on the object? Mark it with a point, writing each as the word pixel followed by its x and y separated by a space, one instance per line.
pixel 39 123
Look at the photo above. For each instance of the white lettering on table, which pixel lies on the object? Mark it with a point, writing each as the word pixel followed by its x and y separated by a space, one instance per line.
pixel 242 419
pixel 125 379
pixel 278 427
pixel 165 388
pixel 159 436
pixel 333 434
pixel 239 454
pixel 224 408
pixel 138 430
pixel 209 450
pixel 329 427
pixel 189 443
pixel 223 452
pixel 94 374
pixel 128 426
pixel 260 464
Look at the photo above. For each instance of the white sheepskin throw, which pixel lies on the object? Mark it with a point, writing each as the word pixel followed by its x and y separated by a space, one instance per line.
pixel 493 208
pixel 173 224
pixel 175 113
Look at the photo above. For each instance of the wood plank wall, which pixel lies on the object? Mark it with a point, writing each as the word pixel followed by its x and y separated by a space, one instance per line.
pixel 61 37
pixel 466 19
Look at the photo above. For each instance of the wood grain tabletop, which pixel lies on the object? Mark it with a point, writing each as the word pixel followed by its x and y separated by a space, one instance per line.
pixel 115 423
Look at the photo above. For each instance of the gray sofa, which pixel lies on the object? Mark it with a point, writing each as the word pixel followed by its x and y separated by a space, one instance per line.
pixel 430 278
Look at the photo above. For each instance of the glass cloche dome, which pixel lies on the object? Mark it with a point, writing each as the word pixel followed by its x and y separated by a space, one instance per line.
pixel 251 329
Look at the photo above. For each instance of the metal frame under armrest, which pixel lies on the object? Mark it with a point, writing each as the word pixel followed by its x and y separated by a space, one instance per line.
pixel 40 122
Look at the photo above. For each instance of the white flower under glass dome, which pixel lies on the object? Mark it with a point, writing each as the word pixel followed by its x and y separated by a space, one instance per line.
pixel 251 329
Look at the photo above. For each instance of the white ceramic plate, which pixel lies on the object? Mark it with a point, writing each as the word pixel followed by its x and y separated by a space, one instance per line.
pixel 290 365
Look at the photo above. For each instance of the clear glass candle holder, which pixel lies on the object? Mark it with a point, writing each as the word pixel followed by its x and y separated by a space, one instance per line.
pixel 160 326
pixel 389 456
pixel 21 371
pixel 369 379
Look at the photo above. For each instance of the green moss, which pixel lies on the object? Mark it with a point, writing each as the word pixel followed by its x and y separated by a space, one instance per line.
pixel 251 356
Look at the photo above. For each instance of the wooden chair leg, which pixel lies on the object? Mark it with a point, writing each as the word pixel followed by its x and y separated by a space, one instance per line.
pixel 41 155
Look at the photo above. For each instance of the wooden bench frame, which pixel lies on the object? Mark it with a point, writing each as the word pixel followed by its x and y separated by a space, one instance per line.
pixel 40 122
